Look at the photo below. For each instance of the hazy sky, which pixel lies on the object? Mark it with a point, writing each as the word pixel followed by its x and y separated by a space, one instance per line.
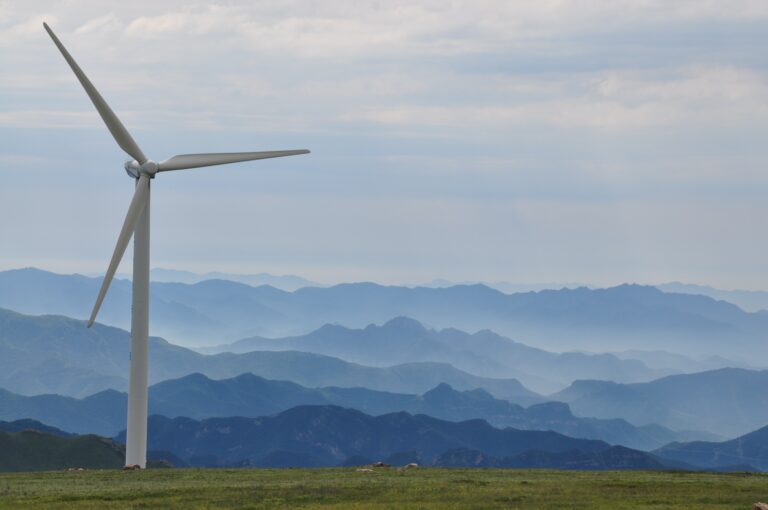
pixel 480 140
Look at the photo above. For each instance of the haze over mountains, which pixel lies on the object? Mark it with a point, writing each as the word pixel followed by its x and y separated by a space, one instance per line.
pixel 403 340
pixel 665 369
pixel 198 397
pixel 53 354
pixel 283 282
pixel 749 300
pixel 729 401
pixel 748 450
pixel 602 320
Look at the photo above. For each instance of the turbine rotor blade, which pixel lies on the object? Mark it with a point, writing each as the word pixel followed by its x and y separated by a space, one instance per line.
pixel 138 204
pixel 119 133
pixel 184 161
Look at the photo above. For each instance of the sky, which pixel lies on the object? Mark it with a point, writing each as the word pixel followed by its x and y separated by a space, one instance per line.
pixel 548 141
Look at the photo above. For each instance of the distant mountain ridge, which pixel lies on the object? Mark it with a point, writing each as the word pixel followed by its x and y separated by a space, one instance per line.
pixel 749 300
pixel 216 311
pixel 283 282
pixel 52 354
pixel 403 340
pixel 665 360
pixel 56 354
pixel 287 283
pixel 198 397
pixel 749 449
pixel 728 401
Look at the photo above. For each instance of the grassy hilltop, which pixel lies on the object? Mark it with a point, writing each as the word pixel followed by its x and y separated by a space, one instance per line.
pixel 388 488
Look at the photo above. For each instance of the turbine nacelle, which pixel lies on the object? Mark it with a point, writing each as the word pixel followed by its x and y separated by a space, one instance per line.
pixel 135 170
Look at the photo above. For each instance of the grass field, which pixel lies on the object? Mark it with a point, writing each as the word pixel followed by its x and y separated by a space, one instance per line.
pixel 346 488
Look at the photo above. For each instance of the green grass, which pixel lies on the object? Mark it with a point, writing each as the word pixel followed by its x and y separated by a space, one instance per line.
pixel 345 488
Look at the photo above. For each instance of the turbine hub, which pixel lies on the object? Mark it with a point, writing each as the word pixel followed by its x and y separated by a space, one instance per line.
pixel 149 168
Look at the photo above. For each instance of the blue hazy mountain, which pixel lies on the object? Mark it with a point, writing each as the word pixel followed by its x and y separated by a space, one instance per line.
pixel 402 340
pixel 750 449
pixel 53 354
pixel 749 300
pixel 674 362
pixel 283 282
pixel 198 397
pixel 103 413
pixel 330 435
pixel 728 402
pixel 37 292
pixel 218 311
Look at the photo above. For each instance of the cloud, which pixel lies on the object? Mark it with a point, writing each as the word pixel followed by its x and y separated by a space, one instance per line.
pixel 109 23
pixel 48 119
pixel 465 136
pixel 210 20
pixel 24 30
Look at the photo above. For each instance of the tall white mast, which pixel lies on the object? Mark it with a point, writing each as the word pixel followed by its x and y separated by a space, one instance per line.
pixel 136 433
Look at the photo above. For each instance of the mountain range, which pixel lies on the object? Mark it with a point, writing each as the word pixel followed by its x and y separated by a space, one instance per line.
pixel 283 282
pixel 311 436
pixel 748 450
pixel 52 354
pixel 674 362
pixel 728 401
pixel 218 311
pixel 749 300
pixel 198 397
pixel 306 377
pixel 404 340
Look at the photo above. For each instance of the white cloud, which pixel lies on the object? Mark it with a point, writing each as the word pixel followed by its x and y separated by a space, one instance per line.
pixel 440 123
pixel 108 23
pixel 22 31
pixel 48 119
pixel 199 21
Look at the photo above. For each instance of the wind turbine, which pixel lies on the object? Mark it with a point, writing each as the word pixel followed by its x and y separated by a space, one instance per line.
pixel 136 225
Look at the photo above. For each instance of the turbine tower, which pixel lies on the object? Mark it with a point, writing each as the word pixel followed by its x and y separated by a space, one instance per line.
pixel 136 225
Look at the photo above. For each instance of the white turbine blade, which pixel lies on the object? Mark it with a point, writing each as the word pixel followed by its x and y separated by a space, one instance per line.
pixel 183 161
pixel 138 203
pixel 119 133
